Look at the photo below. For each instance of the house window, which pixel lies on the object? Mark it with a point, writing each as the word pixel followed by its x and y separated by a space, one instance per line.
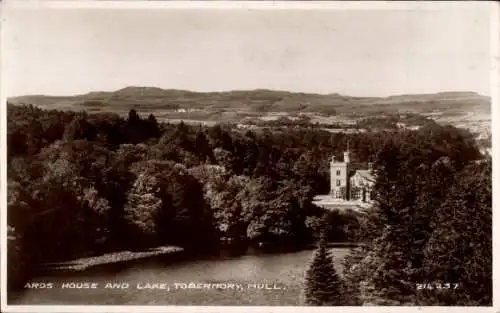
pixel 338 172
pixel 356 194
pixel 338 194
pixel 338 182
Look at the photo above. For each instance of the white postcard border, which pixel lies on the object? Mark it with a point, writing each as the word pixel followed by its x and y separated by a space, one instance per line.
pixel 267 5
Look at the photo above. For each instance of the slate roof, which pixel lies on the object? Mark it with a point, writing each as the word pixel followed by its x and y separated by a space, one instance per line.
pixel 366 174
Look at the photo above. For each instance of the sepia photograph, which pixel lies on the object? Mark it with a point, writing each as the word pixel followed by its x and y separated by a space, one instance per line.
pixel 247 154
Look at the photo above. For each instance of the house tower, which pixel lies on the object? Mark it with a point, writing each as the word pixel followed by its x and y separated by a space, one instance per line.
pixel 339 177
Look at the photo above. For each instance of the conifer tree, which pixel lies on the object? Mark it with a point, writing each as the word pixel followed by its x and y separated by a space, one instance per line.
pixel 323 285
pixel 459 251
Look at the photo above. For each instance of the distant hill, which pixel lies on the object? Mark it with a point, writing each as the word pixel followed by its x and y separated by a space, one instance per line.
pixel 259 100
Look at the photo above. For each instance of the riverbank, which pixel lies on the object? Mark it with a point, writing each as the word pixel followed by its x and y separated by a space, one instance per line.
pixel 111 258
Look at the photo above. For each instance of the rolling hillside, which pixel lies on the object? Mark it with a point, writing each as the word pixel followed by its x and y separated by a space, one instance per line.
pixel 259 101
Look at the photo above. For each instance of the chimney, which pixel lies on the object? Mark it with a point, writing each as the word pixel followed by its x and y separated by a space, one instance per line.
pixel 346 157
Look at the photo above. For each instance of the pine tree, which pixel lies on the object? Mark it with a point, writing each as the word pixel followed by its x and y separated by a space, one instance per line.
pixel 153 127
pixel 460 248
pixel 323 285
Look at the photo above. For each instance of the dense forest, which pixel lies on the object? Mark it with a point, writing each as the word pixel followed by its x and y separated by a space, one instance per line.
pixel 428 238
pixel 83 184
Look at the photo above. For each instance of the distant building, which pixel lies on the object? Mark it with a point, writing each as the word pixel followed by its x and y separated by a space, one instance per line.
pixel 349 182
pixel 351 185
pixel 415 127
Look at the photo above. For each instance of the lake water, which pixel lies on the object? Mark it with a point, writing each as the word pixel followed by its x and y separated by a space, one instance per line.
pixel 249 279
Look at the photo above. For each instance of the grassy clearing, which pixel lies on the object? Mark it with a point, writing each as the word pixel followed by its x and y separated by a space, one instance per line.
pixel 109 258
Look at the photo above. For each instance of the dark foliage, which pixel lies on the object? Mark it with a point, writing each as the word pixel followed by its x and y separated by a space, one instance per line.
pixel 323 286
pixel 416 232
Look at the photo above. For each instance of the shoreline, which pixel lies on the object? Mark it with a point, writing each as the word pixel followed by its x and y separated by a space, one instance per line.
pixel 85 263
pixel 82 264
pixel 343 244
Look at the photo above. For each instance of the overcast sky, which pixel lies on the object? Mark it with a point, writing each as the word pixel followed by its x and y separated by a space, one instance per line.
pixel 352 52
